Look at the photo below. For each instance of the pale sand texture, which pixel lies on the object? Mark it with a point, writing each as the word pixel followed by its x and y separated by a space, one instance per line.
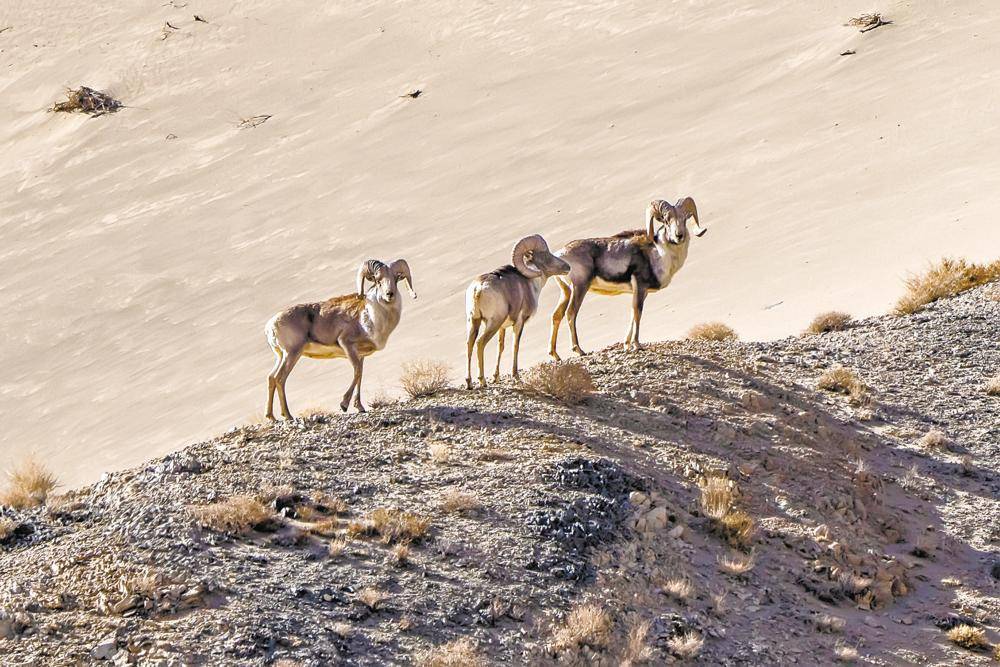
pixel 137 272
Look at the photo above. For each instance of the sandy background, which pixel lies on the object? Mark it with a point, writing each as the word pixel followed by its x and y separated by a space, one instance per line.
pixel 137 271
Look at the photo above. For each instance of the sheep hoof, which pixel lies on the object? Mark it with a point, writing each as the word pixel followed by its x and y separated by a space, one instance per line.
pixel 468 383
pixel 270 417
pixel 343 407
pixel 555 356
pixel 496 378
pixel 360 408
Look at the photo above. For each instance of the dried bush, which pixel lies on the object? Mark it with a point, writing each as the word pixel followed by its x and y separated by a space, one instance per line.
pixel 679 589
pixel 336 547
pixel 87 100
pixel 234 516
pixel 843 381
pixel 395 526
pixel 401 554
pixel 458 653
pixel 934 440
pixel 326 527
pixel 440 452
pixel 737 528
pixel 454 500
pixel 686 646
pixel 968 637
pixel 568 382
pixel 830 624
pixel 372 597
pixel 993 386
pixel 717 495
pixel 944 279
pixel 845 653
pixel 830 321
pixel 586 625
pixel 736 563
pixel 714 331
pixel 424 378
pixel 637 649
pixel 28 485
pixel 328 504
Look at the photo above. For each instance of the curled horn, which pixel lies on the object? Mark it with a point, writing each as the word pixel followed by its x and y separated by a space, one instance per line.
pixel 687 211
pixel 401 270
pixel 367 271
pixel 658 210
pixel 525 245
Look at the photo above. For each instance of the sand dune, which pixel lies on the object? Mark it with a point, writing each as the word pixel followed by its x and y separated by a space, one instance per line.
pixel 137 270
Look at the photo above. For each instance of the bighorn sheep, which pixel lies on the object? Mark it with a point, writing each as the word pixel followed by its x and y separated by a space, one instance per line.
pixel 508 297
pixel 352 326
pixel 638 262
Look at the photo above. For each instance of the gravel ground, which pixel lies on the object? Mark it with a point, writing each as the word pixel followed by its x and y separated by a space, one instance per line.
pixel 863 537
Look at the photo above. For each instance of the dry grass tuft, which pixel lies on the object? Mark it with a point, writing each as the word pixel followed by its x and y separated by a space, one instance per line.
pixel 679 589
pixel 454 500
pixel 7 527
pixel 396 526
pixel 934 440
pixel 401 555
pixel 831 321
pixel 686 646
pixel 458 653
pixel 714 331
pixel 87 100
pixel 718 503
pixel 336 547
pixel 637 649
pixel 235 516
pixel 328 504
pixel 720 603
pixel 737 528
pixel 830 624
pixel 968 637
pixel 326 527
pixel 372 597
pixel 993 386
pixel 944 279
pixel 424 378
pixel 568 382
pixel 28 485
pixel 736 563
pixel 496 455
pixel 587 625
pixel 843 381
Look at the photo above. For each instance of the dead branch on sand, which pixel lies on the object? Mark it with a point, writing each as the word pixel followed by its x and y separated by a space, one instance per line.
pixel 869 21
pixel 253 121
pixel 89 101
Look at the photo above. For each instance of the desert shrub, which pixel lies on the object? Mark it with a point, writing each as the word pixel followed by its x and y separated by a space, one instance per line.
pixel 830 321
pixel 934 440
pixel 843 381
pixel 439 452
pixel 395 526
pixel 28 485
pixel 993 386
pixel 944 279
pixel 686 646
pixel 372 597
pixel 737 528
pixel 637 649
pixel 830 624
pixel 89 101
pixel 736 563
pixel 235 516
pixel 586 625
pixel 968 637
pixel 715 331
pixel 454 500
pixel 568 382
pixel 458 653
pixel 424 378
pixel 679 589
pixel 845 653
pixel 718 503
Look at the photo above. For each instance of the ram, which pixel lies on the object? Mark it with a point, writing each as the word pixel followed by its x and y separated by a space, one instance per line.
pixel 352 326
pixel 507 298
pixel 634 262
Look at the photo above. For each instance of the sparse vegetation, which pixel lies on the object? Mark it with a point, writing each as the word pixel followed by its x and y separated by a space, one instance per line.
pixel 494 454
pixel 830 321
pixel 439 452
pixel 396 526
pixel 736 563
pixel 993 386
pixel 686 646
pixel 968 637
pixel 934 440
pixel 845 653
pixel 458 653
pixel 336 547
pixel 401 554
pixel 568 382
pixel 830 624
pixel 637 649
pixel 944 279
pixel 843 381
pixel 586 625
pixel 28 485
pixel 455 500
pixel 424 378
pixel 679 589
pixel 235 516
pixel 720 603
pixel 713 331
pixel 718 502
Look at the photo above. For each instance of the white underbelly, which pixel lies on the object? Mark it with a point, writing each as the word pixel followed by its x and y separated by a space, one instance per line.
pixel 318 351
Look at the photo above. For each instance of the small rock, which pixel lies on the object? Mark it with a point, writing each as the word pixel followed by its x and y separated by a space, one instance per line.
pixel 105 648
